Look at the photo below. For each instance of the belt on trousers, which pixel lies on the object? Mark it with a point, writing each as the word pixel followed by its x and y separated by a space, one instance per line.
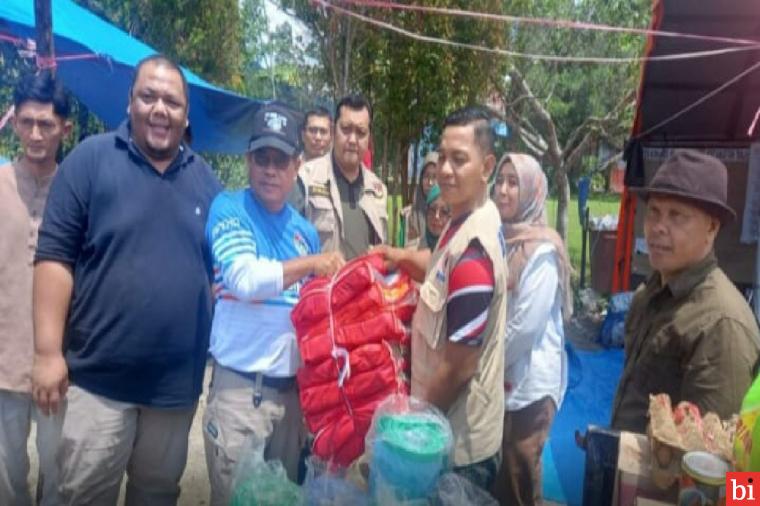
pixel 280 384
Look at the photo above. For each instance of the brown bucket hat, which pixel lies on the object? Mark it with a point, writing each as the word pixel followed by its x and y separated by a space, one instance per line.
pixel 696 177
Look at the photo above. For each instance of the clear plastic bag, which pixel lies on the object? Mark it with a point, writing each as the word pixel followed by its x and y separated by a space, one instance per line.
pixel 612 333
pixel 261 483
pixel 409 444
pixel 454 490
pixel 329 486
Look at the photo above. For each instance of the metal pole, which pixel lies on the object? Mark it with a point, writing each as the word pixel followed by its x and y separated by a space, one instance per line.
pixel 43 20
pixel 584 236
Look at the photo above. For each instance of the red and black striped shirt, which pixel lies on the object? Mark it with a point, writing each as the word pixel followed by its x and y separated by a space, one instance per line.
pixel 471 286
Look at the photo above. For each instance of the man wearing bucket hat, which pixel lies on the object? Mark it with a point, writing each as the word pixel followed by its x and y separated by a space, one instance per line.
pixel 689 333
pixel 262 250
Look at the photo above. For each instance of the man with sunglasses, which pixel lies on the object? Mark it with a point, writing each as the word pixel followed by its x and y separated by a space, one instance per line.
pixel 262 251
pixel 345 201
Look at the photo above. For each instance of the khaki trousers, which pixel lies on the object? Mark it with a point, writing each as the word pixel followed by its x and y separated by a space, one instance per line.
pixel 525 432
pixel 17 410
pixel 102 438
pixel 231 419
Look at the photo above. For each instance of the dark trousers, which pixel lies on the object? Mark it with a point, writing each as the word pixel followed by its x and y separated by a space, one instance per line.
pixel 483 473
pixel 525 432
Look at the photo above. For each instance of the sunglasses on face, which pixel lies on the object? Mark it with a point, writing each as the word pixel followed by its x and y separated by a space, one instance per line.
pixel 264 159
pixel 439 211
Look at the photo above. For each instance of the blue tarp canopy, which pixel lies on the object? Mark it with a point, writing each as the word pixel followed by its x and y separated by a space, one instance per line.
pixel 220 119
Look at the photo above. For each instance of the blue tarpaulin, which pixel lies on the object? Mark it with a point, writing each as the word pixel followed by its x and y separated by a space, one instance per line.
pixel 220 119
pixel 592 381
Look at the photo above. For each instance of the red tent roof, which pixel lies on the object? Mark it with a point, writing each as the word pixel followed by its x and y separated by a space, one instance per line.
pixel 669 86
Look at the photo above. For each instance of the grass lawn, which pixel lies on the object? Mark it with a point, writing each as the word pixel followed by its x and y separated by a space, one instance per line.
pixel 599 205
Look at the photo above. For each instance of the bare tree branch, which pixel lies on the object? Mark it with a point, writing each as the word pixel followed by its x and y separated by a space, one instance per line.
pixel 597 123
pixel 553 147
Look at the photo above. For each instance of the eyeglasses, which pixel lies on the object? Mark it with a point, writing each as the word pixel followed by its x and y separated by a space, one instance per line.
pixel 263 159
pixel 439 212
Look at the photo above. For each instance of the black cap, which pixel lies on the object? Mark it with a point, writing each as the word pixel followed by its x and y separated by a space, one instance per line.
pixel 275 126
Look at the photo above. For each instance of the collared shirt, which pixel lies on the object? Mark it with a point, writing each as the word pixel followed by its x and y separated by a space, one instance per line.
pixel 252 330
pixel 693 338
pixel 22 202
pixel 357 230
pixel 297 196
pixel 470 290
pixel 140 312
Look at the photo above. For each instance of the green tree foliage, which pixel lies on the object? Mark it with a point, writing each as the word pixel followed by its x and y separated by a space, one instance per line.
pixel 204 35
pixel 412 84
pixel 559 111
pixel 277 64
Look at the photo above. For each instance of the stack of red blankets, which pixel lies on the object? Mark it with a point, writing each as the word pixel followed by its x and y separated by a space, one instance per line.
pixel 353 335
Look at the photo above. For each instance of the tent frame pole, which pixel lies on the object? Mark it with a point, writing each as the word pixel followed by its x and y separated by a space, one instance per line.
pixel 43 21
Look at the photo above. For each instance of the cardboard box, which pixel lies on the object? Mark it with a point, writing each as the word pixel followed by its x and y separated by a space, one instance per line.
pixel 633 480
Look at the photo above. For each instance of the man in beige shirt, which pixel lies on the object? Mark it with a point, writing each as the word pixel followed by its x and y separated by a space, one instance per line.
pixel 40 123
pixel 345 201
pixel 458 326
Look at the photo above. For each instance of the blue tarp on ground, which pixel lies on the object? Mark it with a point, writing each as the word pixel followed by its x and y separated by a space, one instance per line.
pixel 220 119
pixel 592 381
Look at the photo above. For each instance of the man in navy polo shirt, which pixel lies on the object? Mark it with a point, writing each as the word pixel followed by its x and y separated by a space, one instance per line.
pixel 122 302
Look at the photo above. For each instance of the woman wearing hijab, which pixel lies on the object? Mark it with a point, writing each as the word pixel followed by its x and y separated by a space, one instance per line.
pixel 539 293
pixel 414 215
pixel 437 215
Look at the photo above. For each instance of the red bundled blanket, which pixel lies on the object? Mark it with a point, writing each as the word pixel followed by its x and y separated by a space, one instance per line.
pixel 353 335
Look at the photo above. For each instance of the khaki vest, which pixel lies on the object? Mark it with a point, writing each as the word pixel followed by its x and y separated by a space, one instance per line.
pixel 477 415
pixel 323 207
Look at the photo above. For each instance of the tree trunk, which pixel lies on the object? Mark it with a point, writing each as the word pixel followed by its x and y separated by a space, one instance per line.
pixel 399 168
pixel 348 48
pixel 43 19
pixel 563 200
pixel 384 169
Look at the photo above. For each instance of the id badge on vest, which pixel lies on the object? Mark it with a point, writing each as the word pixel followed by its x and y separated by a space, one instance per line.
pixel 430 315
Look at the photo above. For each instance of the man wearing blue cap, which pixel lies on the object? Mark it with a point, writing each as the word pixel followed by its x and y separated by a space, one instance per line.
pixel 262 250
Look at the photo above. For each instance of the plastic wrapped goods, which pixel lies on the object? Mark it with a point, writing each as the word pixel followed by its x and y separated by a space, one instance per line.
pixel 409 445
pixel 454 490
pixel 261 483
pixel 327 485
pixel 747 441
pixel 353 336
